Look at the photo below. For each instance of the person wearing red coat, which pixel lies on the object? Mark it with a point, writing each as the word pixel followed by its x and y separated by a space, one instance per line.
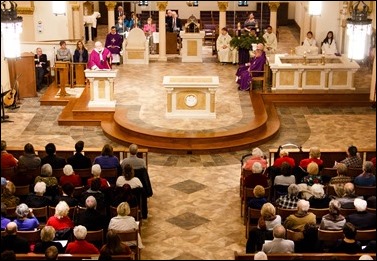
pixel 80 245
pixel 284 158
pixel 70 177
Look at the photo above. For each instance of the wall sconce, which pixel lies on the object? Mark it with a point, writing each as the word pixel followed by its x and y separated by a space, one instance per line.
pixel 59 8
pixel 11 28
pixel 143 3
pixel 359 26
pixel 315 7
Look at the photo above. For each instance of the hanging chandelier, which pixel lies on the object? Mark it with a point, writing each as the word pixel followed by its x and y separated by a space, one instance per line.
pixel 359 27
pixel 11 28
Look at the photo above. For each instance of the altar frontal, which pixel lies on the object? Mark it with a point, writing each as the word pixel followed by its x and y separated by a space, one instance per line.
pixel 191 97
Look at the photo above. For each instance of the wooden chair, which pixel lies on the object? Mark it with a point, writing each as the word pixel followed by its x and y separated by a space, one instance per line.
pixel 95 237
pixel 11 212
pixel 285 212
pixel 41 214
pixel 354 172
pixel 131 239
pixel 110 174
pixel 22 191
pixel 331 172
pixel 319 213
pixel 9 173
pixel 79 209
pixel 252 219
pixel 365 191
pixel 248 193
pixel 57 173
pixel 294 236
pixel 263 78
pixel 366 235
pixel 113 211
pixel 330 191
pixel 346 211
pixel 328 238
pixel 31 236
pixel 84 174
pixel 77 191
pixel 47 75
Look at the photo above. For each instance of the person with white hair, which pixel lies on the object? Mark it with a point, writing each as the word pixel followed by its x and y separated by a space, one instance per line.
pixel 348 196
pixel 100 57
pixel 362 219
pixel 70 177
pixel 279 244
pixel 257 178
pixel 96 172
pixel 284 157
pixel 319 198
pixel 260 256
pixel 80 245
pixel 257 155
pixel 26 221
pixel 60 220
pixel 38 199
pixel 298 220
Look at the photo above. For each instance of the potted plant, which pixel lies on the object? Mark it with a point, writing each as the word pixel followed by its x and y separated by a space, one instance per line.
pixel 244 44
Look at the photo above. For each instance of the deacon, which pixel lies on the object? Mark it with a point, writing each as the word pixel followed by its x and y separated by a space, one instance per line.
pixel 114 44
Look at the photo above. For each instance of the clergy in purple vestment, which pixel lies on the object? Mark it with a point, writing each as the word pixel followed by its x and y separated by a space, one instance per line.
pixel 99 58
pixel 243 72
pixel 114 44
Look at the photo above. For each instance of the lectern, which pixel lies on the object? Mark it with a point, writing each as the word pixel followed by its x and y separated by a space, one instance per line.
pixel 101 87
pixel 62 72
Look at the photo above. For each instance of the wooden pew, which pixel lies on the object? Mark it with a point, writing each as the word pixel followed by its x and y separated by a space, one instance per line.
pixel 32 256
pixel 306 256
pixel 328 156
pixel 120 152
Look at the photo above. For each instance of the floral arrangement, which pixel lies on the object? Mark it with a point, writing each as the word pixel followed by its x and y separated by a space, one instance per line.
pixel 246 40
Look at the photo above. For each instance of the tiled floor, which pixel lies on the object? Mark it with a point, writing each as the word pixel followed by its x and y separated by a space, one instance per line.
pixel 194 212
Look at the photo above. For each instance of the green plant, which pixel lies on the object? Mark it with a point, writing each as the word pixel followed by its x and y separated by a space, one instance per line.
pixel 245 41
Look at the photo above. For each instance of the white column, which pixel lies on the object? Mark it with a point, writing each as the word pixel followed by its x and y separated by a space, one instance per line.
pixel 76 21
pixel 222 14
pixel 110 14
pixel 162 31
pixel 273 14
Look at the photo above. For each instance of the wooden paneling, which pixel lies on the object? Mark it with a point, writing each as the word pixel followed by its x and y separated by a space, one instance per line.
pixel 24 69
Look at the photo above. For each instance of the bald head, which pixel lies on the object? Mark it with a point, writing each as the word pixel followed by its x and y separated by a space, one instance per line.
pixel 98 46
pixel 279 231
pixel 11 228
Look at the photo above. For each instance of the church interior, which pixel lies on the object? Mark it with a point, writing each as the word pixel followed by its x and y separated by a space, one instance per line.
pixel 194 163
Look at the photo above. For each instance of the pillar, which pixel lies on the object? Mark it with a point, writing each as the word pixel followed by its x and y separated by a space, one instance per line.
pixel 110 13
pixel 162 30
pixel 76 21
pixel 273 14
pixel 372 95
pixel 222 14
